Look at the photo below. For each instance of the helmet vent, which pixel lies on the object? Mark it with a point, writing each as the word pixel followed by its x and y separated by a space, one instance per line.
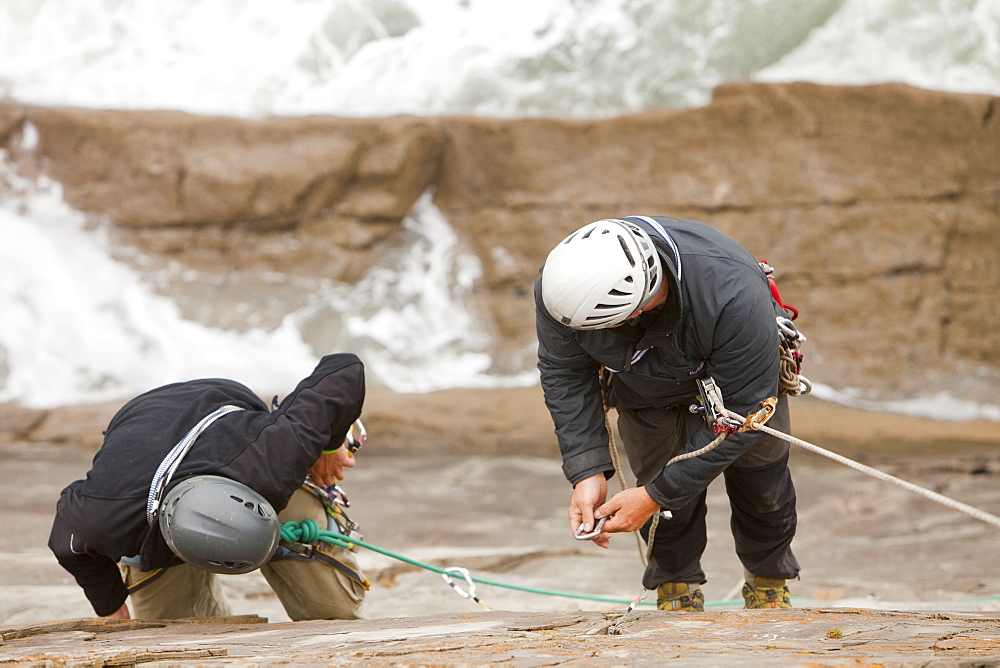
pixel 628 253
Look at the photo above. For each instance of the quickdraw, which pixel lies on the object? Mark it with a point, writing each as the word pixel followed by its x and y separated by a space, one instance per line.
pixel 769 272
pixel 793 382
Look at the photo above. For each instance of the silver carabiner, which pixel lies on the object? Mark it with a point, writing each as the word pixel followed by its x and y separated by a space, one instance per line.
pixel 788 330
pixel 464 572
pixel 593 534
pixel 353 442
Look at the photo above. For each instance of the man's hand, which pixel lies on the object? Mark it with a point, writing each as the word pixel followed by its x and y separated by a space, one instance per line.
pixel 121 613
pixel 630 507
pixel 588 494
pixel 329 469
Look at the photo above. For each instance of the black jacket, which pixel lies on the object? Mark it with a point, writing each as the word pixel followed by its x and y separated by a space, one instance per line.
pixel 101 519
pixel 719 321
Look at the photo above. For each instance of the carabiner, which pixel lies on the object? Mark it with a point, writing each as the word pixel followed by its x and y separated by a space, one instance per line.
pixel 354 443
pixel 464 572
pixel 593 534
pixel 469 593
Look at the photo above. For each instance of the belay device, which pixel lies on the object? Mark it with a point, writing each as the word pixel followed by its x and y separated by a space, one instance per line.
pixel 718 418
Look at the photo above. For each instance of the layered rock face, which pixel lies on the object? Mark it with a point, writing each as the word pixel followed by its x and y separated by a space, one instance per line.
pixel 879 207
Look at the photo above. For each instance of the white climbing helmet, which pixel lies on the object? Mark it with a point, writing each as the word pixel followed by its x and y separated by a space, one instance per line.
pixel 600 275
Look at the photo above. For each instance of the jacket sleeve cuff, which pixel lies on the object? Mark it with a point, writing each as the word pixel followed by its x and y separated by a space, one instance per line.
pixel 667 495
pixel 588 463
pixel 107 594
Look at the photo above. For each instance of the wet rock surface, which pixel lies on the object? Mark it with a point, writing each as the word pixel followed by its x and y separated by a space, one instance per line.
pixel 888 577
pixel 814 637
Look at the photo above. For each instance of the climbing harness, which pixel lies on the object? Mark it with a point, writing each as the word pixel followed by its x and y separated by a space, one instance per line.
pixel 335 505
pixel 300 540
pixel 148 578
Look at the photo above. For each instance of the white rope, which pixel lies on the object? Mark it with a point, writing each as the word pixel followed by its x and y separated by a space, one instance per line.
pixel 616 462
pixel 699 451
pixel 980 515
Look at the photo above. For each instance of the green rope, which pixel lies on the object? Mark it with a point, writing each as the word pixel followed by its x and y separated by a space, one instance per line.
pixel 308 531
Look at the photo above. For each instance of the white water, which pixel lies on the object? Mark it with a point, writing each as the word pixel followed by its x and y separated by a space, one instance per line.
pixel 78 326
pixel 509 57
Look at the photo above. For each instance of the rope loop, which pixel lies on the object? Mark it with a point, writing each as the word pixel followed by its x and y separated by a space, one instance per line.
pixel 306 531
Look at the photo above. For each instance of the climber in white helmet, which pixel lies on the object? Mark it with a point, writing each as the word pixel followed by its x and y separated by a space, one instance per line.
pixel 631 314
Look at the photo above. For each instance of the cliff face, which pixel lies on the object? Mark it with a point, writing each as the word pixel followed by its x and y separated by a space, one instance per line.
pixel 879 206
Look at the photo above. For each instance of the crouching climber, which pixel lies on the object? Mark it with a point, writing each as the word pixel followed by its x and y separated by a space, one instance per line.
pixel 195 479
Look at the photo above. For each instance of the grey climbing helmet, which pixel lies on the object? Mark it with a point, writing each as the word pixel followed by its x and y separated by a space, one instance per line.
pixel 219 525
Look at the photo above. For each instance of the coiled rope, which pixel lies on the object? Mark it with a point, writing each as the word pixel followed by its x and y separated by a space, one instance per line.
pixel 792 383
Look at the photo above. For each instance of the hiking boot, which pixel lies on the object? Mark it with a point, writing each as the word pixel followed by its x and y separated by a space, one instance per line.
pixel 679 596
pixel 766 593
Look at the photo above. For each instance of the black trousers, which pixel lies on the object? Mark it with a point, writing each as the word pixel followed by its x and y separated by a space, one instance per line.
pixel 759 486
